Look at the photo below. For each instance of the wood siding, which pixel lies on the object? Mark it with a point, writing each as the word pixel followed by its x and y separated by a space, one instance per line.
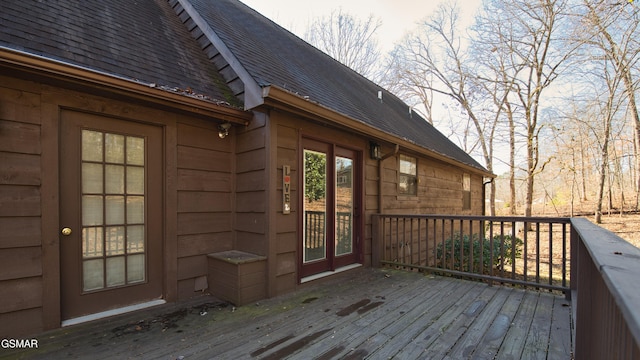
pixel 199 185
pixel 440 190
pixel 20 212
pixel 219 194
pixel 204 199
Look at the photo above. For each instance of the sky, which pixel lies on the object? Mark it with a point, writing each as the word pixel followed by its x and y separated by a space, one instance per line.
pixel 398 16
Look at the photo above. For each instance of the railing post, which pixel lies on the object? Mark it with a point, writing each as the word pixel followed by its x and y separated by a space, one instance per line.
pixel 377 242
pixel 573 265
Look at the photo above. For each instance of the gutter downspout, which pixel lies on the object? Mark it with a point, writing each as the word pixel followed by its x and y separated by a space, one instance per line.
pixel 484 196
pixel 394 153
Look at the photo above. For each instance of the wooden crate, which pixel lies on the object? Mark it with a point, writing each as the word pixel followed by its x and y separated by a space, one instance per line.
pixel 238 277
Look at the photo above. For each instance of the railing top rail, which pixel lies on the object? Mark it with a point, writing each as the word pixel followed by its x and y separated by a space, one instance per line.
pixel 531 219
pixel 619 263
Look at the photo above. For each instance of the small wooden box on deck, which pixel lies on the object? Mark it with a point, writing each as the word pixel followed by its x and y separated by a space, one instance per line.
pixel 237 276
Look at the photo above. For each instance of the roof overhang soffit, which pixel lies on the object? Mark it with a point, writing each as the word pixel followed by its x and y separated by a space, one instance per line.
pixel 122 86
pixel 252 91
pixel 282 99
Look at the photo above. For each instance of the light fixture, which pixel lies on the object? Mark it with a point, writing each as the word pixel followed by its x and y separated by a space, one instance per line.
pixel 374 150
pixel 223 130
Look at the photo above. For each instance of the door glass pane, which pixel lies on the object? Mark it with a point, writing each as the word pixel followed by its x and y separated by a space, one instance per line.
pixel 91 145
pixel 315 205
pixel 344 205
pixel 91 210
pixel 135 268
pixel 114 178
pixel 113 221
pixel 135 239
pixel 114 241
pixel 115 271
pixel 93 275
pixel 135 180
pixel 114 148
pixel 114 210
pixel 92 178
pixel 135 151
pixel 135 209
pixel 92 242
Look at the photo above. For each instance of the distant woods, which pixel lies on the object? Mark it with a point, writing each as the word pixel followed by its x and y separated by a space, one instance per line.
pixel 544 92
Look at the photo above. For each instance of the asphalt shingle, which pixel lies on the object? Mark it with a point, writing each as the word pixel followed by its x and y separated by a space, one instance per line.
pixel 139 40
pixel 275 56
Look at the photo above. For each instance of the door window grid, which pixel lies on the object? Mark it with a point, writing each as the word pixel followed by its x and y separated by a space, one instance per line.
pixel 113 202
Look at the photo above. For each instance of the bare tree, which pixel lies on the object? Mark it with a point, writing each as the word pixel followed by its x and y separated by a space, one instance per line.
pixel 498 75
pixel 532 40
pixel 613 27
pixel 435 62
pixel 347 39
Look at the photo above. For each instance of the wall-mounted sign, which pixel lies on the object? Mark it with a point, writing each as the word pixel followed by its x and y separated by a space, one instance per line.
pixel 286 189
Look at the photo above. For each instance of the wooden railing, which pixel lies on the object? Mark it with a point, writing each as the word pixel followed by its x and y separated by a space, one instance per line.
pixel 525 251
pixel 315 222
pixel 596 269
pixel 605 293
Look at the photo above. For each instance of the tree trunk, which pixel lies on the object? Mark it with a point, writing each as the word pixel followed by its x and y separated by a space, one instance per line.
pixel 604 158
pixel 528 203
pixel 512 164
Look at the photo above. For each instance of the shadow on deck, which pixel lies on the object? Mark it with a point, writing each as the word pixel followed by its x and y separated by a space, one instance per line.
pixel 365 313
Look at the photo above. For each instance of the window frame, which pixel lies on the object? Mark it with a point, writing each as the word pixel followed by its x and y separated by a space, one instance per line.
pixel 466 191
pixel 410 190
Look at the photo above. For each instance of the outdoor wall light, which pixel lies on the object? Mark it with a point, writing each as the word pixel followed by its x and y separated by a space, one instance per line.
pixel 374 150
pixel 223 130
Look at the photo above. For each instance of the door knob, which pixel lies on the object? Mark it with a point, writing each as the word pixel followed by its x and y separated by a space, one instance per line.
pixel 66 231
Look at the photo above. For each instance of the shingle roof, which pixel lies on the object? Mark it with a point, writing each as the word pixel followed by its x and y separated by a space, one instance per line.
pixel 274 56
pixel 138 40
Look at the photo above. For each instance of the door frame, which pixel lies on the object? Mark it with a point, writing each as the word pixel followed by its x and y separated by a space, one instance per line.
pixel 52 105
pixel 334 263
pixel 72 123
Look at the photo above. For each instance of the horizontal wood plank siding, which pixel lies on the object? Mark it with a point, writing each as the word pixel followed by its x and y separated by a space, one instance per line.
pixel 19 169
pixel 20 208
pixel 204 199
pixel 20 232
pixel 251 192
pixel 439 188
pixel 25 293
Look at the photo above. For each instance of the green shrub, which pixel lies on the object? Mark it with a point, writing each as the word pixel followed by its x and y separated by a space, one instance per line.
pixel 451 249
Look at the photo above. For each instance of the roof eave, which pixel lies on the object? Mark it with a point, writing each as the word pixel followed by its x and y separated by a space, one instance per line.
pixel 278 97
pixel 137 89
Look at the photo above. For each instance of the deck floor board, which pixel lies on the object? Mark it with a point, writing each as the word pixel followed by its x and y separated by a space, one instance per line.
pixel 366 313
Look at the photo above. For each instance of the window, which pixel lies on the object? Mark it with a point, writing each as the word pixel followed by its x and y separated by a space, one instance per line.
pixel 466 192
pixel 408 181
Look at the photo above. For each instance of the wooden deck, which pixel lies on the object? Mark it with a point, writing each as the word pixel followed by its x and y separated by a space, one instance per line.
pixel 376 314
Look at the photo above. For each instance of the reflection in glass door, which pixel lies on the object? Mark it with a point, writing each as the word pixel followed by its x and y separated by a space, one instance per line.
pixel 330 203
pixel 344 206
pixel 315 205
